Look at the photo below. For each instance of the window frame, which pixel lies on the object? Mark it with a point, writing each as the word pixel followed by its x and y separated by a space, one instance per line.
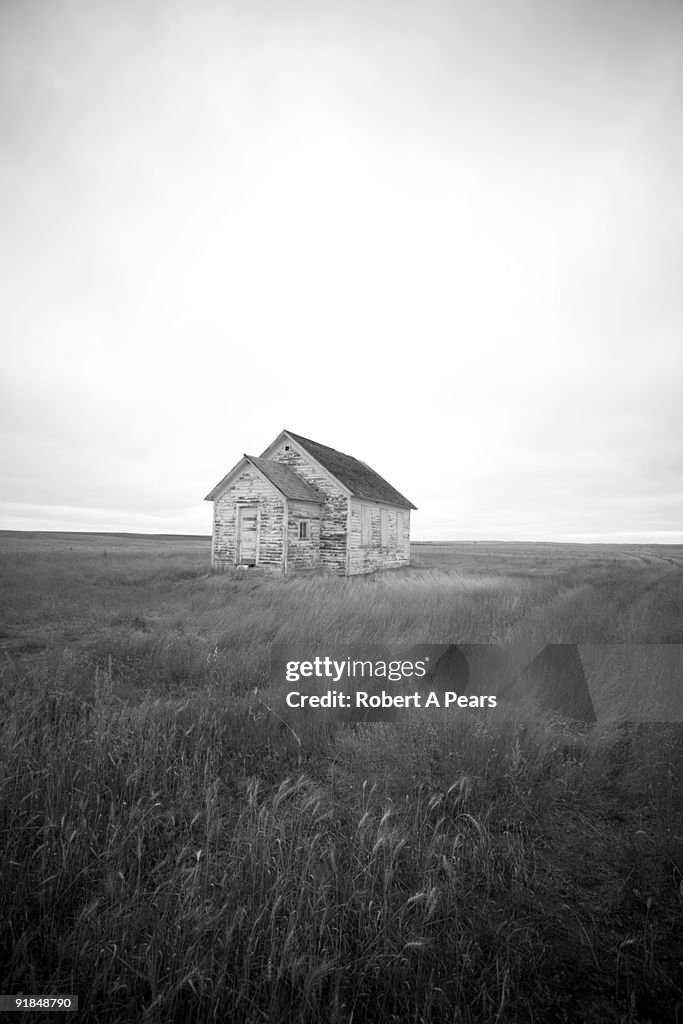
pixel 304 524
pixel 400 528
pixel 366 526
pixel 384 535
pixel 393 529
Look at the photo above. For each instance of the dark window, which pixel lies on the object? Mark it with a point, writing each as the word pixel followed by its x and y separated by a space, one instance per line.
pixel 303 529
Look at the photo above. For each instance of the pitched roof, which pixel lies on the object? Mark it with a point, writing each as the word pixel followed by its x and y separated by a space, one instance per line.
pixel 281 476
pixel 286 480
pixel 362 481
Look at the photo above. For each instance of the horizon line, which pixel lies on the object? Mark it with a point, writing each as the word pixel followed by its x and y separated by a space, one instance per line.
pixel 464 540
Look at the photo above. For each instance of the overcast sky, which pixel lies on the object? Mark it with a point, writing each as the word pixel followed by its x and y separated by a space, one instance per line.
pixel 444 237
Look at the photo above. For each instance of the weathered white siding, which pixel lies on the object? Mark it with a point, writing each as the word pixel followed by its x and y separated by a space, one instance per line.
pixel 333 512
pixel 370 556
pixel 249 488
pixel 342 534
pixel 303 554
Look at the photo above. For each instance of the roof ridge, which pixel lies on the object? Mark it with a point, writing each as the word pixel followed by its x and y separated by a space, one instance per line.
pixel 358 477
pixel 318 444
pixel 329 448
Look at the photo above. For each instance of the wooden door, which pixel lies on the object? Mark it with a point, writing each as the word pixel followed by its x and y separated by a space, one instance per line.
pixel 247 535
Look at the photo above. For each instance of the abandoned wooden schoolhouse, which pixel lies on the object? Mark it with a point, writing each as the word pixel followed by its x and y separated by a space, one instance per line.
pixel 302 505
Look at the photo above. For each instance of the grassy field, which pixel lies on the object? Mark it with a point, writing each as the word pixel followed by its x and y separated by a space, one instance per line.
pixel 170 850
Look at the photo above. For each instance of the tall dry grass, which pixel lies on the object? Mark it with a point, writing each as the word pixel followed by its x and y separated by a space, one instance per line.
pixel 171 852
pixel 192 863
